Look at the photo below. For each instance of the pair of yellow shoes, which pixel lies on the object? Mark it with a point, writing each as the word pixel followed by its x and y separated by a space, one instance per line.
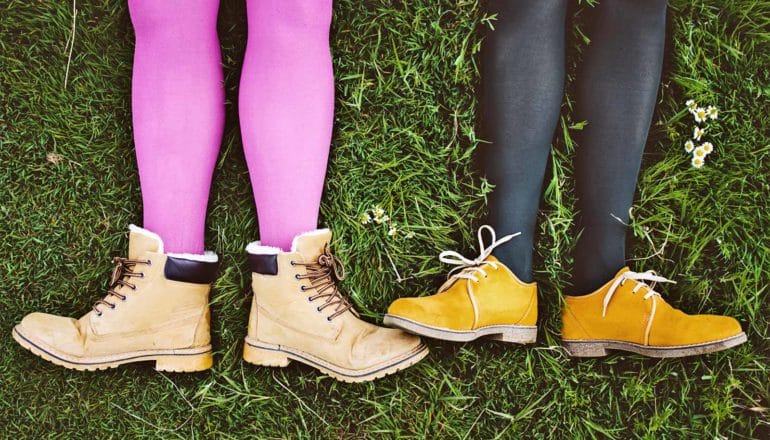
pixel 483 298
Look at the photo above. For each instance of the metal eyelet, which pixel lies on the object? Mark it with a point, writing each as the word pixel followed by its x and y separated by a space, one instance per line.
pixel 318 309
pixel 99 313
pixel 292 263
pixel 296 276
pixel 133 287
pixel 112 306
pixel 302 288
pixel 328 318
pixel 141 274
pixel 149 262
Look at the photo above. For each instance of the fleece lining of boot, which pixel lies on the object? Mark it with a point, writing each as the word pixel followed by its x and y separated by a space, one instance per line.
pixel 206 257
pixel 256 248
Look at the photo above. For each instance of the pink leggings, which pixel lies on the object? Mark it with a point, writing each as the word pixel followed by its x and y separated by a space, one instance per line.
pixel 286 109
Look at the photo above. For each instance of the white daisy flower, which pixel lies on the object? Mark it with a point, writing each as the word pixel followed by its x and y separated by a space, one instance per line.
pixel 700 114
pixel 712 112
pixel 689 146
pixel 698 162
pixel 378 211
pixel 699 152
pixel 698 133
pixel 410 234
pixel 691 105
pixel 392 231
pixel 364 218
pixel 707 147
pixel 381 220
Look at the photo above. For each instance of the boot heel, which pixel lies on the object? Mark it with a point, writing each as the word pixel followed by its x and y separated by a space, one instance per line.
pixel 516 336
pixel 585 349
pixel 184 363
pixel 264 357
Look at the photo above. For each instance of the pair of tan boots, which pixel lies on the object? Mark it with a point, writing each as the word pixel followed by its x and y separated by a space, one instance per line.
pixel 157 309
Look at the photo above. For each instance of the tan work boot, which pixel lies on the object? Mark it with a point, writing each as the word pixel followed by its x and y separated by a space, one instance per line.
pixel 298 313
pixel 156 310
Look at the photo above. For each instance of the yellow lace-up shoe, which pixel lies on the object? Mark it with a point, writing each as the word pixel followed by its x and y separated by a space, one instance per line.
pixel 481 297
pixel 628 314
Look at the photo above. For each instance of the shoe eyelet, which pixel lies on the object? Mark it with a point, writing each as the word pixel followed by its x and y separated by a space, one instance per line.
pixel 318 309
pixel 328 318
pixel 133 287
pixel 112 306
pixel 296 276
pixel 149 262
pixel 309 299
pixel 141 274
pixel 99 313
pixel 293 263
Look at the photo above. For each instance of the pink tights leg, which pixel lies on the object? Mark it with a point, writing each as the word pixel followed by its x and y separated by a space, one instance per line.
pixel 178 114
pixel 286 112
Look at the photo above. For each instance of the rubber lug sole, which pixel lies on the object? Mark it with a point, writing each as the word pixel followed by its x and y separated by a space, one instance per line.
pixel 177 360
pixel 600 348
pixel 516 334
pixel 271 355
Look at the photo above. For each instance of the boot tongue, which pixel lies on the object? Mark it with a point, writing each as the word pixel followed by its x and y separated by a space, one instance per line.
pixel 141 241
pixel 311 244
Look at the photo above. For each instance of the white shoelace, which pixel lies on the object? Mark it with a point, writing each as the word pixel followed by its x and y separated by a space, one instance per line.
pixel 476 264
pixel 639 277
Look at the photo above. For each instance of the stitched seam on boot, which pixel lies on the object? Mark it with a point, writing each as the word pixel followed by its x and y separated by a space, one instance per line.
pixel 648 326
pixel 201 320
pixel 529 308
pixel 270 315
pixel 175 324
pixel 475 306
pixel 579 324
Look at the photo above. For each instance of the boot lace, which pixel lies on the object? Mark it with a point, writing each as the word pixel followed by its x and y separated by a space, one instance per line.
pixel 468 268
pixel 639 277
pixel 323 275
pixel 120 273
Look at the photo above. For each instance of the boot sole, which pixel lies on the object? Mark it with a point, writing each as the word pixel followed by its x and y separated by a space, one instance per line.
pixel 186 360
pixel 271 355
pixel 599 348
pixel 516 334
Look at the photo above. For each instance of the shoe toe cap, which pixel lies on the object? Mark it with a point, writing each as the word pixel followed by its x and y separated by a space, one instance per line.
pixel 51 331
pixel 721 327
pixel 425 310
pixel 407 308
pixel 695 329
pixel 384 345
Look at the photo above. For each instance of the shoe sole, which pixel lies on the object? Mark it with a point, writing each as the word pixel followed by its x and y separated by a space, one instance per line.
pixel 599 348
pixel 271 355
pixel 516 334
pixel 185 360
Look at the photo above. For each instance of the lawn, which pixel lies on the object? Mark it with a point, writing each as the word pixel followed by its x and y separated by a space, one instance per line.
pixel 405 138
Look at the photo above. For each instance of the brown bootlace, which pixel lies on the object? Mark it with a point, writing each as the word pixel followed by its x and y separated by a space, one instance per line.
pixel 122 270
pixel 323 275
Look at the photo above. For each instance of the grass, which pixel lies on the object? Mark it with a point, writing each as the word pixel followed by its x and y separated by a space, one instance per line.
pixel 404 139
